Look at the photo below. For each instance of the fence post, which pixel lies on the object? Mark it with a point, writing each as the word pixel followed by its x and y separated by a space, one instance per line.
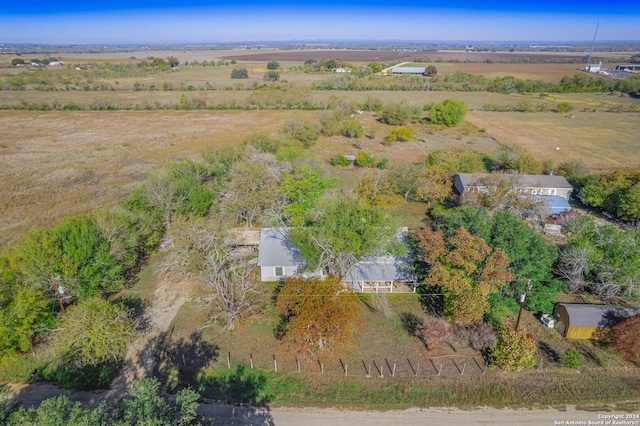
pixel 251 360
pixel 298 363
pixel 417 369
pixel 229 360
pixel 275 364
pixel 440 369
pixel 463 367
pixel 184 362
pixel 369 372
pixel 393 373
pixel 486 364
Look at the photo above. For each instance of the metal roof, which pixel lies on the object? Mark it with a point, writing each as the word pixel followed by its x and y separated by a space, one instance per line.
pixel 525 181
pixel 411 70
pixel 555 203
pixel 592 315
pixel 276 250
pixel 381 268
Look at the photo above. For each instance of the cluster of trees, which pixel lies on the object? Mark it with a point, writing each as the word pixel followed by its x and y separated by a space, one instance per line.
pixel 617 192
pixel 463 81
pixel 327 65
pixel 81 258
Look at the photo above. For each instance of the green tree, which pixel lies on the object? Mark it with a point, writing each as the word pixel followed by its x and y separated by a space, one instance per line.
pixel 26 313
pixel 90 253
pixel 273 65
pixel 303 187
pixel 344 232
pixel 529 256
pixel 449 112
pixel 320 317
pixel 239 73
pixel 93 332
pixel 374 66
pixel 407 179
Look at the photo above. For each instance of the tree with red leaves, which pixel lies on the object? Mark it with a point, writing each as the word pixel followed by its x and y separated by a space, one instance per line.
pixel 625 338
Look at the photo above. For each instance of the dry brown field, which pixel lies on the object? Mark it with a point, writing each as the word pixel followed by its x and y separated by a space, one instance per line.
pixel 58 163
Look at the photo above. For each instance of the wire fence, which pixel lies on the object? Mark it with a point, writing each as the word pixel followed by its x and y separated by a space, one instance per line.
pixel 384 367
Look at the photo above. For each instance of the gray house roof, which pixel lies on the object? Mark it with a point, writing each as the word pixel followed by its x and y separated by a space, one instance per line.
pixel 590 315
pixel 408 70
pixel 382 268
pixel 276 250
pixel 525 181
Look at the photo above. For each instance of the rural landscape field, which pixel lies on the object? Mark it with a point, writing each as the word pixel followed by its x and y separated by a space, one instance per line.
pixel 112 142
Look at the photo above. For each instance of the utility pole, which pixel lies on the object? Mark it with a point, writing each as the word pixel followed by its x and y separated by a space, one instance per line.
pixel 523 296
pixel 59 290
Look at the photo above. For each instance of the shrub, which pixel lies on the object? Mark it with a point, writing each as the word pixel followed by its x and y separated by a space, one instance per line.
pixel 239 73
pixel 383 164
pixel 514 350
pixel 402 134
pixel 449 112
pixel 365 159
pixel 397 113
pixel 271 76
pixel 480 337
pixel 307 133
pixel 339 160
pixel 564 107
pixel 352 129
pixel 273 65
pixel 572 359
pixel 372 104
pixel 434 331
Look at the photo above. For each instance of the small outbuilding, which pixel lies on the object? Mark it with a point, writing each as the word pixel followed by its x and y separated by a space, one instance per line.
pixel 582 320
pixel 378 274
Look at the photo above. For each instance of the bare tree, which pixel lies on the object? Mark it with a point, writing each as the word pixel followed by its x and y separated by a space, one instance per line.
pixel 163 194
pixel 234 291
pixel 210 251
pixel 573 266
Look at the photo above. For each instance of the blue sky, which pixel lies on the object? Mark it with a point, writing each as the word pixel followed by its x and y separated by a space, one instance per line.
pixel 149 21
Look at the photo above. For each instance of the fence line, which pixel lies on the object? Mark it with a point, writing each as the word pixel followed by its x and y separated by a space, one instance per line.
pixel 404 369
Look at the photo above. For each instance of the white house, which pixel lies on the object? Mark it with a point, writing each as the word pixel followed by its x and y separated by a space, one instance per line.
pixel 532 184
pixel 279 259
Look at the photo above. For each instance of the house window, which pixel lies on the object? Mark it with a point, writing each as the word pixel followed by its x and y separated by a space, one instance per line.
pixel 279 271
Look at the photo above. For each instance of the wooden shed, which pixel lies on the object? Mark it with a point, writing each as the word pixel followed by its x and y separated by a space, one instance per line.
pixel 582 320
